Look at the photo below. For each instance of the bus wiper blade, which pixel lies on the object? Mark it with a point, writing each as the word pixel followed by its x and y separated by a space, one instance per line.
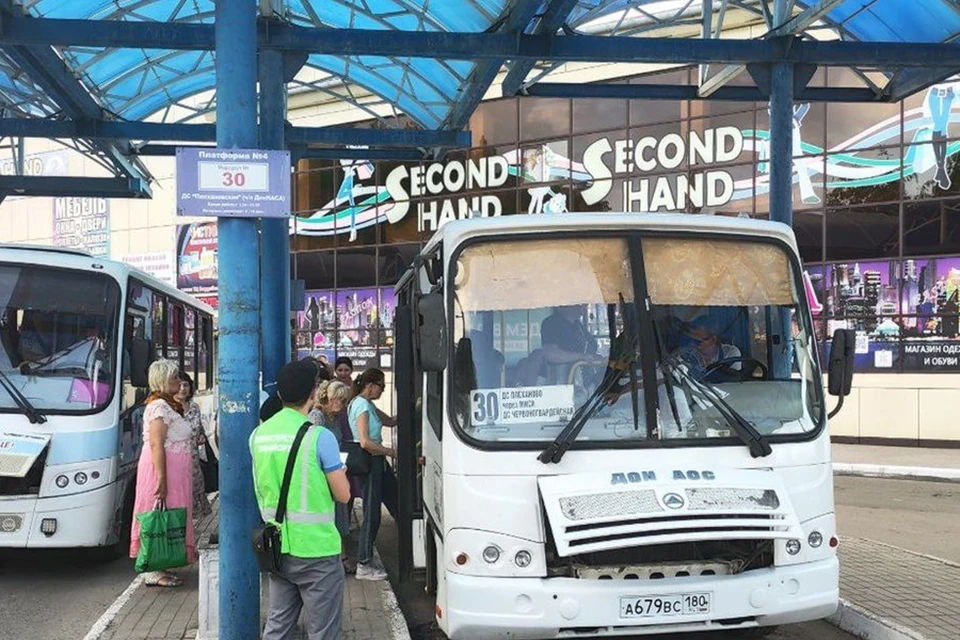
pixel 758 445
pixel 555 450
pixel 34 416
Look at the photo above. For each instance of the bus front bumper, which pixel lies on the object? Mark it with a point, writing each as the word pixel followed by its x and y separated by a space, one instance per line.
pixel 492 608
pixel 82 519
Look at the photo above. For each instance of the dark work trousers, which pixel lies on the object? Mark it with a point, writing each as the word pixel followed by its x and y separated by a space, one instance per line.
pixel 317 584
pixel 379 489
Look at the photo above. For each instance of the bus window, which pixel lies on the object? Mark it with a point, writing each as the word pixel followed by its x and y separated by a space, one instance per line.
pixel 175 333
pixel 190 343
pixel 204 361
pixel 158 332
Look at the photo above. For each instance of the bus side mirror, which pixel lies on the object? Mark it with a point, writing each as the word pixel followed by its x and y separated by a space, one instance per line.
pixel 842 357
pixel 432 332
pixel 140 360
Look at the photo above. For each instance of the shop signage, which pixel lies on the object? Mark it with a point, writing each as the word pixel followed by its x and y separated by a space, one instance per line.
pixel 233 183
pixel 52 163
pixel 82 223
pixel 652 173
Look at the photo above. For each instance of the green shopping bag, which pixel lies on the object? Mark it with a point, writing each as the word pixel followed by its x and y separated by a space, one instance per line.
pixel 163 540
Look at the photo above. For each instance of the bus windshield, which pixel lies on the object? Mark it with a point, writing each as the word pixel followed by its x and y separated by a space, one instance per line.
pixel 58 337
pixel 548 331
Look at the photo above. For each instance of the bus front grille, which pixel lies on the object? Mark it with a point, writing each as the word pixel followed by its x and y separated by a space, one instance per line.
pixel 601 521
pixel 27 485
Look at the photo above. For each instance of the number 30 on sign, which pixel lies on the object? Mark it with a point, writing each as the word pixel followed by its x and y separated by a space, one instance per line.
pixel 229 176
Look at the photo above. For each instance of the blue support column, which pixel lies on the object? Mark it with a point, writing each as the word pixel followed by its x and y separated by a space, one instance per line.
pixel 274 234
pixel 781 143
pixel 781 193
pixel 236 46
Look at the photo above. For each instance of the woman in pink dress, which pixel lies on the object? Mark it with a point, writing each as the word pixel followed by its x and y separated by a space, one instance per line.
pixel 165 471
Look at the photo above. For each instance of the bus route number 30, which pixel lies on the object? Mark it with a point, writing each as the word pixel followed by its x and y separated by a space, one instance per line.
pixel 684 604
pixel 486 407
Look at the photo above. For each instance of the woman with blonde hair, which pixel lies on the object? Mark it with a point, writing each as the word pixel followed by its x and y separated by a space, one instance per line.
pixel 331 399
pixel 165 470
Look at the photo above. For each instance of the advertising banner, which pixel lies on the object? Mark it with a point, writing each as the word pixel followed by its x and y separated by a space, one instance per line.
pixel 197 259
pixel 356 323
pixel 82 223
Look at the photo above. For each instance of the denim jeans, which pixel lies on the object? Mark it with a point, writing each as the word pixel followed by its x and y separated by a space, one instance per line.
pixel 379 489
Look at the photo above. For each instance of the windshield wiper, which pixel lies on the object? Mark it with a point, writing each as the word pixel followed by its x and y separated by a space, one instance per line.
pixel 758 445
pixel 34 416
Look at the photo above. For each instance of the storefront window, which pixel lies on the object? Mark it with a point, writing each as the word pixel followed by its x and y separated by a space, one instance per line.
pixel 863 232
pixel 544 118
pixel 495 123
pixel 876 206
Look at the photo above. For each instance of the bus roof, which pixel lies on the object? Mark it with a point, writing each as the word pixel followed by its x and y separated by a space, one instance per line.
pixel 453 233
pixel 82 261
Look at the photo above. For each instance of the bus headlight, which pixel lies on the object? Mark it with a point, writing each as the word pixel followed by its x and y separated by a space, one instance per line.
pixel 66 479
pixel 523 558
pixel 793 547
pixel 815 539
pixel 491 554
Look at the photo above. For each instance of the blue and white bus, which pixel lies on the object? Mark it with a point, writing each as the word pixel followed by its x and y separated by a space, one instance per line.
pixel 77 334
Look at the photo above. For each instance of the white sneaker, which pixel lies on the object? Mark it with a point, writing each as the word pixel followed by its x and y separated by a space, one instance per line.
pixel 370 572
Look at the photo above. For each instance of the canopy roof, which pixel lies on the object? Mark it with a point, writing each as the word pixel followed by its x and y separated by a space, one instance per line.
pixel 177 84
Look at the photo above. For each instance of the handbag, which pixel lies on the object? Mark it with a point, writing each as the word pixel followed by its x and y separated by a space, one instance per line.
pixel 358 458
pixel 267 542
pixel 163 539
pixel 210 469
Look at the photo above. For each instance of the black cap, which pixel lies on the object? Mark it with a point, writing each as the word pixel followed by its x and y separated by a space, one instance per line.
pixel 296 381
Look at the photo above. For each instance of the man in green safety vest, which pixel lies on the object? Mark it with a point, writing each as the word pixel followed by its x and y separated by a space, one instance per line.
pixel 311 573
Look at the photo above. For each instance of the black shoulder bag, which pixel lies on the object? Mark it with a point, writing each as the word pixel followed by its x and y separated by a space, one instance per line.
pixel 266 537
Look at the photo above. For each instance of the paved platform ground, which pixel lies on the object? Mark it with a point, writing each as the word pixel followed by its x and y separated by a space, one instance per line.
pixel 917 593
pixel 173 614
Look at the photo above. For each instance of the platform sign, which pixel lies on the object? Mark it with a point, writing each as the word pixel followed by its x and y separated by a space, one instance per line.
pixel 233 183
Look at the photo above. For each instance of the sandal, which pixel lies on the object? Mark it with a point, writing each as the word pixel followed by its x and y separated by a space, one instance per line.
pixel 162 580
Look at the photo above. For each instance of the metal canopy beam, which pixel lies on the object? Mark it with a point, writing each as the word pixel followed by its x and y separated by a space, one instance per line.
pixel 484 46
pixel 791 27
pixel 49 72
pixel 486 71
pixel 304 153
pixel 804 19
pixel 122 130
pixel 911 81
pixel 690 92
pixel 552 19
pixel 68 187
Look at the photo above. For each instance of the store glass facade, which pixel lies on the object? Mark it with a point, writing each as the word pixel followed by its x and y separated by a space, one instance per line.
pixel 876 206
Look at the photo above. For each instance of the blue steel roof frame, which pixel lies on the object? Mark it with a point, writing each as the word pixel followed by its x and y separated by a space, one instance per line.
pixel 410 84
pixel 424 90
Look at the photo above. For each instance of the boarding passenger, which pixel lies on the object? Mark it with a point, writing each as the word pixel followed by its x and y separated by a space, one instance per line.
pixel 380 484
pixel 310 572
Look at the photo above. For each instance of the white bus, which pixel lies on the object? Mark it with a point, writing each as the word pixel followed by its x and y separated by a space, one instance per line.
pixel 575 464
pixel 77 334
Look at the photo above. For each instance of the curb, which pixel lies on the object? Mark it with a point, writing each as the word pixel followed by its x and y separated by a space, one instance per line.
pixel 388 600
pixel 864 624
pixel 896 472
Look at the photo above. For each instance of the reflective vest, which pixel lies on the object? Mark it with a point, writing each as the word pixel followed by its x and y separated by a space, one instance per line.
pixel 308 529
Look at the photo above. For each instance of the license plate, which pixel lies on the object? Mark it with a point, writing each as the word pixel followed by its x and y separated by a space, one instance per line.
pixel 679 604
